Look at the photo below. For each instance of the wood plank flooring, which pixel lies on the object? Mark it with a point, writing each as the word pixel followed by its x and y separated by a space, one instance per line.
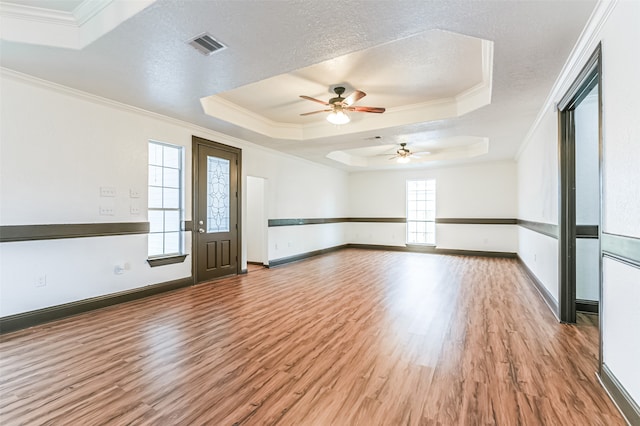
pixel 354 337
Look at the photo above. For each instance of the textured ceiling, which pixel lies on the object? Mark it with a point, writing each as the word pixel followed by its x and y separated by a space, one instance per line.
pixel 146 63
pixel 425 67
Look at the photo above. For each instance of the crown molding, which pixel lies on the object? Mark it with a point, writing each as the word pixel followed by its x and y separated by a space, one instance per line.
pixel 196 129
pixel 80 15
pixel 37 14
pixel 89 21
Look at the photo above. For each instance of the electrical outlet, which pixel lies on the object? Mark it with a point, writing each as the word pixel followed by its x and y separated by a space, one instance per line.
pixel 41 281
pixel 135 210
pixel 134 193
pixel 107 191
pixel 107 211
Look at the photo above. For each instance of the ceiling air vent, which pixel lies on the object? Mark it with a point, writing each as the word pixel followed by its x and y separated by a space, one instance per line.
pixel 206 44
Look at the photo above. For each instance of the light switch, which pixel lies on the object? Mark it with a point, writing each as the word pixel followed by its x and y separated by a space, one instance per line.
pixel 107 191
pixel 107 211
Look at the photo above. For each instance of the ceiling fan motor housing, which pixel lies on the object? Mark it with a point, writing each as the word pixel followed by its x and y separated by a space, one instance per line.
pixel 338 91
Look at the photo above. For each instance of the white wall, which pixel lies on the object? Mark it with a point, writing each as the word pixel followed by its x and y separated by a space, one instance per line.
pixel 615 26
pixel 538 200
pixel 621 190
pixel 256 223
pixel 621 304
pixel 300 189
pixel 486 190
pixel 59 146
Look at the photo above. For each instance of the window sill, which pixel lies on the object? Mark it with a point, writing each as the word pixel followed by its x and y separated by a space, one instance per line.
pixel 169 260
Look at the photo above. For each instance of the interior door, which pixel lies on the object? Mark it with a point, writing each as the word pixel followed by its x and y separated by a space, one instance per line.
pixel 216 210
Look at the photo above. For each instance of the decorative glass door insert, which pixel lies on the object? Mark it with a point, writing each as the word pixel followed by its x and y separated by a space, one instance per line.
pixel 217 194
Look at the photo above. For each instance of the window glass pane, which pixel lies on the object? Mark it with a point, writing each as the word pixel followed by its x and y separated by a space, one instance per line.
pixel 155 197
pixel 171 242
pixel 155 175
pixel 171 198
pixel 421 206
pixel 171 157
pixel 165 199
pixel 411 205
pixel 155 154
pixel 217 194
pixel 156 244
pixel 171 178
pixel 156 221
pixel 171 221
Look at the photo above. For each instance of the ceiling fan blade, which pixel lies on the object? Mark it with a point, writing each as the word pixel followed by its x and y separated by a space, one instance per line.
pixel 309 98
pixel 316 112
pixel 420 153
pixel 354 97
pixel 367 109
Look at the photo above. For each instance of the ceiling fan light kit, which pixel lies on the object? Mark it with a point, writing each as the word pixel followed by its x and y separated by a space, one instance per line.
pixel 339 105
pixel 338 117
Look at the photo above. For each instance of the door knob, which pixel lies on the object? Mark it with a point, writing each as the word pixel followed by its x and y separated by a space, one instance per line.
pixel 201 231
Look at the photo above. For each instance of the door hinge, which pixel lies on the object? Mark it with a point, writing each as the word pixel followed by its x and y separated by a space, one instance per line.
pixel 236 226
pixel 236 194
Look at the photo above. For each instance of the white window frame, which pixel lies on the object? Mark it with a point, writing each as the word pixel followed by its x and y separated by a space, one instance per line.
pixel 179 209
pixel 423 218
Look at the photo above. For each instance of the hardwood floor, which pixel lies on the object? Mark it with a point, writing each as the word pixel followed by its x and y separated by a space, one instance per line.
pixel 354 337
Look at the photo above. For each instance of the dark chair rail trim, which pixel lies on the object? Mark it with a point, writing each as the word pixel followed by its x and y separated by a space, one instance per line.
pixel 11 233
pixel 321 221
pixel 587 231
pixel 548 229
pixel 623 248
pixel 477 221
pixel 52 313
